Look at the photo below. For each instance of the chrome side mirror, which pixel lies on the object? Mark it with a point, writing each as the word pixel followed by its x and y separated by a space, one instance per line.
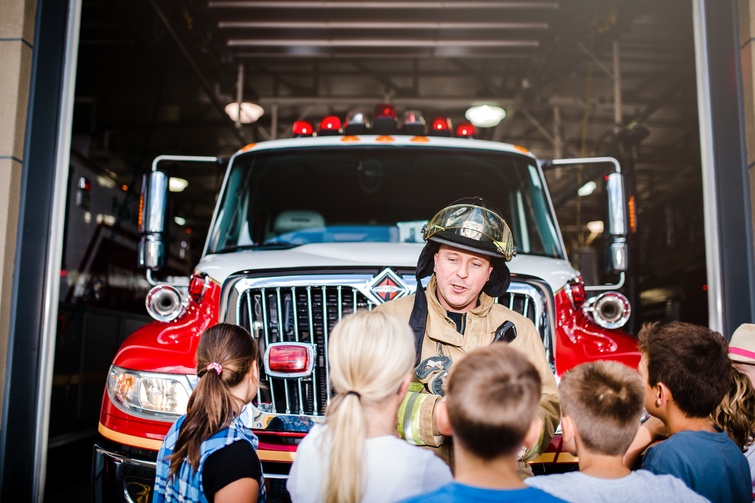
pixel 617 224
pixel 152 249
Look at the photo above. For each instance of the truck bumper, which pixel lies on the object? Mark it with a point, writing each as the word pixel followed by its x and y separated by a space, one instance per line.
pixel 129 478
pixel 118 477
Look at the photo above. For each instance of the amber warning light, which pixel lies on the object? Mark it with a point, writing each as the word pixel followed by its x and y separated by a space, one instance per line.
pixel 289 359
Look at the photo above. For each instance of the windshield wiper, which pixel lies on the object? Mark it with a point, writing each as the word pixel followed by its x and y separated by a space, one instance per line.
pixel 254 246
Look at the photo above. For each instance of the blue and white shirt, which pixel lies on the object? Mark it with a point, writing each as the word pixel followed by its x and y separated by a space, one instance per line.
pixel 186 485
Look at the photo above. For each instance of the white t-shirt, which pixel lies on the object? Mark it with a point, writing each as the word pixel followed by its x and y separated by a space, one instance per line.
pixel 393 469
pixel 640 486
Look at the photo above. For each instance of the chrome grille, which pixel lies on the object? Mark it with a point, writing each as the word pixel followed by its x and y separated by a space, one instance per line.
pixel 308 313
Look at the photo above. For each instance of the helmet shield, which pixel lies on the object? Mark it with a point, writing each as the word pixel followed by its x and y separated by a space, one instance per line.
pixel 471 227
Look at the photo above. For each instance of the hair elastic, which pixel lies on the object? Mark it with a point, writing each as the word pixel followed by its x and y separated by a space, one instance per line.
pixel 356 394
pixel 218 368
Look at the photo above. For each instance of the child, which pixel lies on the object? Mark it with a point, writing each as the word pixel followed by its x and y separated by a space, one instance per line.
pixel 357 455
pixel 208 454
pixel 490 409
pixel 736 413
pixel 601 403
pixel 742 355
pixel 686 372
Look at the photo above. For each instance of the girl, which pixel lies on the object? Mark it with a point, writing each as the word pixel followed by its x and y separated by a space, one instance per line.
pixel 209 455
pixel 357 455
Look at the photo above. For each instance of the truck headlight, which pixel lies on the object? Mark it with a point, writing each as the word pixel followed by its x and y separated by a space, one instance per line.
pixel 150 395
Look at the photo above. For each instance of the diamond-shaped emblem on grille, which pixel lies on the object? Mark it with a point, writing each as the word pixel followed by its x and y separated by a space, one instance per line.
pixel 387 286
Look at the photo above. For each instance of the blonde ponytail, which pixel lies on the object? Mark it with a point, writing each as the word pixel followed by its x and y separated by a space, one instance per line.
pixel 370 355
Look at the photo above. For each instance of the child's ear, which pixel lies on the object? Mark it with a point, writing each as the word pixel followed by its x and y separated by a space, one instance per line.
pixel 405 385
pixel 662 395
pixel 441 418
pixel 532 437
pixel 569 434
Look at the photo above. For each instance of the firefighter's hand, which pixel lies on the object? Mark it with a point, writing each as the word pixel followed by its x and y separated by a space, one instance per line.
pixel 440 418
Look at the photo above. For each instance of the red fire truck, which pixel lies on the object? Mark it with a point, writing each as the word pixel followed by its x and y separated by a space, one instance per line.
pixel 310 228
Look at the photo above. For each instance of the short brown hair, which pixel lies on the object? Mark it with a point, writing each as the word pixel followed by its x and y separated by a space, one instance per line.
pixel 493 395
pixel 604 399
pixel 691 360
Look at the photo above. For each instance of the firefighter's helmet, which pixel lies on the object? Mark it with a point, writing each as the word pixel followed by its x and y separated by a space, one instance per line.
pixel 472 224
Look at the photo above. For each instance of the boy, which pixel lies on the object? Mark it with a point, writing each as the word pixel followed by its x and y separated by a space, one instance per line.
pixel 601 403
pixel 685 369
pixel 490 409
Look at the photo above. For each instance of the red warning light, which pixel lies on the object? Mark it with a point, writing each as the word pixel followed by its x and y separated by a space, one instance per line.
pixel 302 128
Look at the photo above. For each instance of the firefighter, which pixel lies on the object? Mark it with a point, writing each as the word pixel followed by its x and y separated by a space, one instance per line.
pixel 467 246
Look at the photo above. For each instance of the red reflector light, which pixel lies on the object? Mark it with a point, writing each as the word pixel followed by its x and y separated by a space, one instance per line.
pixel 302 128
pixel 330 125
pixel 576 291
pixel 385 110
pixel 198 286
pixel 465 130
pixel 289 359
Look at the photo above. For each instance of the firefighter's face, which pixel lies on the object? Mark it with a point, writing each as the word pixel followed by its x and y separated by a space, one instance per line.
pixel 460 276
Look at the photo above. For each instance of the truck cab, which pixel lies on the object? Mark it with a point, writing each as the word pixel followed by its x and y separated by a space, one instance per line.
pixel 311 228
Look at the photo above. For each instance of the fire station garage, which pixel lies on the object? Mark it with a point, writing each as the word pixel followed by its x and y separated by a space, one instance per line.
pixel 621 133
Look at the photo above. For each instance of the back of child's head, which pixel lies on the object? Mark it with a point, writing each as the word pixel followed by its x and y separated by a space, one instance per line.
pixel 370 355
pixel 225 355
pixel 604 399
pixel 492 398
pixel 736 413
pixel 692 361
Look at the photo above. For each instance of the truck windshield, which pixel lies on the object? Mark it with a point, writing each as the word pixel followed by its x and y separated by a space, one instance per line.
pixel 292 197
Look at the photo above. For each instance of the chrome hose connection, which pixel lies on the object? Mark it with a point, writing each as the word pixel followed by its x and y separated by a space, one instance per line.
pixel 165 302
pixel 609 310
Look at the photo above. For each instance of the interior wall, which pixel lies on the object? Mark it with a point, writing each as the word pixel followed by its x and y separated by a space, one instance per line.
pixel 16 50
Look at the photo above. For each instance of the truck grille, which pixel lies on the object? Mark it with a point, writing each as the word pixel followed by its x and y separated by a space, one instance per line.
pixel 308 314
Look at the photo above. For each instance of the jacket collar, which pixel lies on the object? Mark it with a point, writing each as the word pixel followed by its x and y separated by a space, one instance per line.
pixel 439 326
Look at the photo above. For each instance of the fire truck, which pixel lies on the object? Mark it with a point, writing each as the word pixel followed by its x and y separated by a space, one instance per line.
pixel 310 228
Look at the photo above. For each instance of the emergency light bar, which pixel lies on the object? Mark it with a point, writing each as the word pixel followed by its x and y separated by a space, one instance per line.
pixel 384 122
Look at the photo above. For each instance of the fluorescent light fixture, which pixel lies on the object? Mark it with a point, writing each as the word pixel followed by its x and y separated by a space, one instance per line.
pixel 250 112
pixel 595 226
pixel 177 184
pixel 182 220
pixel 485 115
pixel 587 189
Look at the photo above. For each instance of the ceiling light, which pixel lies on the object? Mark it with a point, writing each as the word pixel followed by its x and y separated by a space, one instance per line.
pixel 177 184
pixel 595 226
pixel 587 189
pixel 485 115
pixel 250 112
pixel 179 220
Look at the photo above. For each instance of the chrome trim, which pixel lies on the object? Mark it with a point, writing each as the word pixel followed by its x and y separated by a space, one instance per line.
pixel 617 212
pixel 707 160
pixel 123 459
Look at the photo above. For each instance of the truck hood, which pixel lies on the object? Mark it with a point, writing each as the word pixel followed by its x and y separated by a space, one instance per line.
pixel 556 272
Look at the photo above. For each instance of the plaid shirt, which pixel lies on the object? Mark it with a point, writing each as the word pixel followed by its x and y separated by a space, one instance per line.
pixel 187 486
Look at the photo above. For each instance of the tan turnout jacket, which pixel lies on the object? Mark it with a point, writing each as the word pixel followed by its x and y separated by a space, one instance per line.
pixel 441 337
